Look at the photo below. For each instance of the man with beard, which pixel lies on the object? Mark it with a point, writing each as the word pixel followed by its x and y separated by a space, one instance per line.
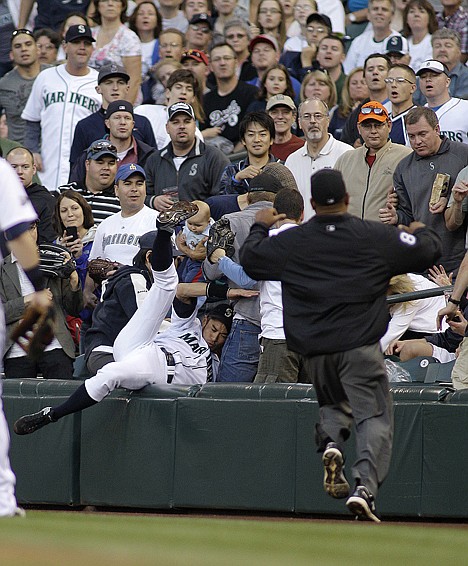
pixel 320 151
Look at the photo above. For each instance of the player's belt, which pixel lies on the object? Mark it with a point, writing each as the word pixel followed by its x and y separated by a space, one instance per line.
pixel 170 365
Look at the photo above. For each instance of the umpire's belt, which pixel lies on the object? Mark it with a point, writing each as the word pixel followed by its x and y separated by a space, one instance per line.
pixel 170 364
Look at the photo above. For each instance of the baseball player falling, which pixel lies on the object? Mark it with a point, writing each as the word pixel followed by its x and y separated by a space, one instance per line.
pixel 16 216
pixel 185 353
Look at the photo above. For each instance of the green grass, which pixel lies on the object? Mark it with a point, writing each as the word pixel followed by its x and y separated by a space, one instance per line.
pixel 48 538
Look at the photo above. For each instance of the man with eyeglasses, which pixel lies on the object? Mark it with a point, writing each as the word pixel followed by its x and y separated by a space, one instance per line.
pixel 368 170
pixel 112 84
pixel 401 85
pixel 15 86
pixel 171 44
pixel 434 82
pixel 97 187
pixel 320 151
pixel 302 59
pixel 424 180
pixel 61 96
pixel 374 38
pixel 226 104
pixel 376 68
pixel 199 33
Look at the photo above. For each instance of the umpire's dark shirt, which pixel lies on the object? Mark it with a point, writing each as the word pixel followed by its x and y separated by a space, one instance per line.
pixel 335 271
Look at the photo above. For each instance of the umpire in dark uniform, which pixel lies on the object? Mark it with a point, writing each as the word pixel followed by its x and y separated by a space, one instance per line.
pixel 335 271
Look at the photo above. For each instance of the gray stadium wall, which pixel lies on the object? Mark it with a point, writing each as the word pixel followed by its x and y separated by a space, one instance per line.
pixel 228 447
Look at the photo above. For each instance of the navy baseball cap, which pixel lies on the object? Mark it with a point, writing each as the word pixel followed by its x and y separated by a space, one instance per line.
pixel 327 187
pixel 397 44
pixel 119 106
pixel 112 71
pixel 147 240
pixel 201 19
pixel 80 31
pixel 99 148
pixel 180 107
pixel 127 170
pixel 223 313
pixel 265 182
pixel 322 18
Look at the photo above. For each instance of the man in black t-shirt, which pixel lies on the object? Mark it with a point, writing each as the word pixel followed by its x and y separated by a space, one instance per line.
pixel 225 106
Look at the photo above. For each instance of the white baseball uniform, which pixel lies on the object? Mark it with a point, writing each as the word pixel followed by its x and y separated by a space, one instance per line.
pixel 15 209
pixel 453 119
pixel 59 101
pixel 117 238
pixel 138 349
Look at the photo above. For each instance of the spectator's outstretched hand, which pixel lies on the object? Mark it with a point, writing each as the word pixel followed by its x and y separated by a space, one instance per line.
pixel 438 275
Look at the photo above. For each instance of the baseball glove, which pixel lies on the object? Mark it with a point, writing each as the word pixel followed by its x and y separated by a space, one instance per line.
pixel 220 237
pixel 35 331
pixel 99 268
pixel 51 261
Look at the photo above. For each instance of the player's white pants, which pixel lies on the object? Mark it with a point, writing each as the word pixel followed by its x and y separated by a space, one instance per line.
pixel 139 361
pixel 7 477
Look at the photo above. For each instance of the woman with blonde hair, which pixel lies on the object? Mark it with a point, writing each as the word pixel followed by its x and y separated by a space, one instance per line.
pixel 411 319
pixel 318 84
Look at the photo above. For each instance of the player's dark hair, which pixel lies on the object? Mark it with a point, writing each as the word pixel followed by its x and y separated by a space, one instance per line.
pixel 415 114
pixel 289 202
pixel 97 16
pixel 88 220
pixel 140 258
pixel 52 35
pixel 261 118
pixel 132 19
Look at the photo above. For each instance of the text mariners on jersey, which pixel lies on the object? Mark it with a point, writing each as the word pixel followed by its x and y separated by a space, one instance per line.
pixel 192 341
pixel 122 239
pixel 74 98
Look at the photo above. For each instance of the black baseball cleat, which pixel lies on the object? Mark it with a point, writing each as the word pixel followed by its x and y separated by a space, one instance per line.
pixel 30 423
pixel 361 504
pixel 178 212
pixel 334 480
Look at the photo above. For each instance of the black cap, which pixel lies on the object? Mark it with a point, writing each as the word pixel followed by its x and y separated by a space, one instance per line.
pixel 119 106
pixel 80 31
pixel 112 70
pixel 202 19
pixel 223 313
pixel 265 182
pixel 327 187
pixel 322 18
pixel 180 107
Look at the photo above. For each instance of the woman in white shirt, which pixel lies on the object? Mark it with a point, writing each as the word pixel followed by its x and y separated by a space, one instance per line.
pixel 419 23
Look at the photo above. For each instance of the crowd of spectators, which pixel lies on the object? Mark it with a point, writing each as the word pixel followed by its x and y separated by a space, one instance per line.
pixel 114 110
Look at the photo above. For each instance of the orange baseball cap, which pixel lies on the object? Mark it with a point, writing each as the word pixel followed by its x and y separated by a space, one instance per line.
pixel 373 110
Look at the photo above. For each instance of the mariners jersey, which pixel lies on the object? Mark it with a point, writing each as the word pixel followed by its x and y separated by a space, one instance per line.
pixel 453 119
pixel 59 101
pixel 194 362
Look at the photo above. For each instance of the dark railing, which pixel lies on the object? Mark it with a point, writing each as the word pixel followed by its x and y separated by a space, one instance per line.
pixel 423 294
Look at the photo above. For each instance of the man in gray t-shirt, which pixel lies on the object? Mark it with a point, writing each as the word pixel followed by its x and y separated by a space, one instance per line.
pixel 15 86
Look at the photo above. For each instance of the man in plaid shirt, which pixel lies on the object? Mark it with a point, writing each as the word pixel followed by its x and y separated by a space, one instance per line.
pixel 454 16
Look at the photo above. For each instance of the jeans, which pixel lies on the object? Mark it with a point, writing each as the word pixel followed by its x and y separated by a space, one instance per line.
pixel 239 360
